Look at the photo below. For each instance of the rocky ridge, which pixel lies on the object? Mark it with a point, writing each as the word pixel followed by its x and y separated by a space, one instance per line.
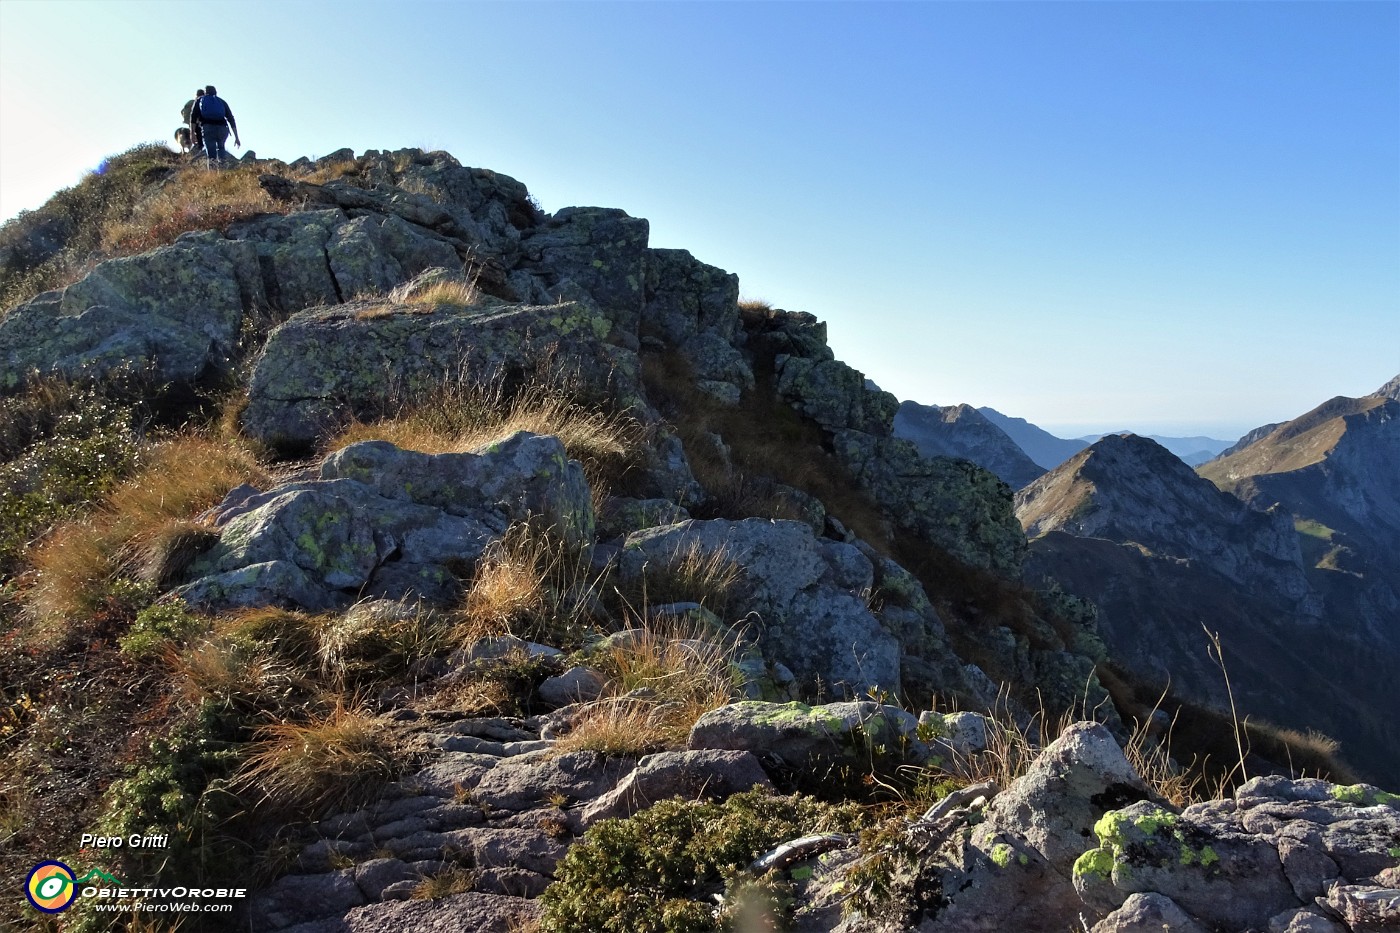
pixel 372 532
pixel 1160 551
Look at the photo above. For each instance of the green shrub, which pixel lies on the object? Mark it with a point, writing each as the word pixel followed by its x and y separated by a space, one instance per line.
pixel 156 626
pixel 657 871
pixel 62 467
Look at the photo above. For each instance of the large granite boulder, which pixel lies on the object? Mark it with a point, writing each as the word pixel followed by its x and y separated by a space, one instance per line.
pixel 177 308
pixel 324 366
pixel 387 522
pixel 806 597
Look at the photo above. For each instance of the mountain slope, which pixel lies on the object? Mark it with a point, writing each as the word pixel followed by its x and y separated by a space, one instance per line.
pixel 1333 470
pixel 963 431
pixel 1162 552
pixel 1040 445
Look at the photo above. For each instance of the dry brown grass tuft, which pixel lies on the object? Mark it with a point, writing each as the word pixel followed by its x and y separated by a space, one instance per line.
pixel 232 674
pixel 460 418
pixel 330 762
pixel 685 670
pixel 691 574
pixel 451 880
pixel 453 293
pixel 530 585
pixel 618 729
pixel 193 199
pixel 180 477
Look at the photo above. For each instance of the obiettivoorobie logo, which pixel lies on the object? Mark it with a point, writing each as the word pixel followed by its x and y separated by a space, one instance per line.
pixel 52 886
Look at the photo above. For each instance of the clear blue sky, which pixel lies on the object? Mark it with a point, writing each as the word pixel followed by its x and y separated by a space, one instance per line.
pixel 1169 217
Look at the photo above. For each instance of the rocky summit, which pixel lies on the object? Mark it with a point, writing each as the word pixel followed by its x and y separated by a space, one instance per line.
pixel 414 558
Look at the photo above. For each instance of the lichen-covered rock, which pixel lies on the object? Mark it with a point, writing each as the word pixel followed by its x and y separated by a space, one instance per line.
pixel 602 251
pixel 1224 878
pixel 803 737
pixel 177 309
pixel 321 367
pixel 808 594
pixel 388 522
pixel 686 297
pixel 835 395
pixel 1013 871
pixel 955 504
pixel 1250 863
pixel 373 254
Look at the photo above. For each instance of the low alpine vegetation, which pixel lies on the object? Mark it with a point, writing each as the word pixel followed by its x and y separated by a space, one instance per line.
pixel 660 870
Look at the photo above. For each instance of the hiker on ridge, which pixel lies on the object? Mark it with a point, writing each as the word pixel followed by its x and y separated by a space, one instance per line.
pixel 215 118
pixel 191 120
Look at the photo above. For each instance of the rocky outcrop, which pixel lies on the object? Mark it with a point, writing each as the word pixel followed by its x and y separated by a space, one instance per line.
pixel 806 600
pixel 953 504
pixel 381 521
pixel 324 366
pixel 1079 840
pixel 963 431
pixel 179 310
pixel 1390 390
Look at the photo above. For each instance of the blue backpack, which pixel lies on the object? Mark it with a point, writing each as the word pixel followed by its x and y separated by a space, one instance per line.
pixel 212 109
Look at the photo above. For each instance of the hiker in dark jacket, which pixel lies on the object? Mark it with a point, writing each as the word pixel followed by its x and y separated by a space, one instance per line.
pixel 215 118
pixel 187 114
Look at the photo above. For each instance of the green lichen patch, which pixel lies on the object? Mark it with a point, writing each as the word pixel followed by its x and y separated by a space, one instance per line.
pixel 1364 795
pixel 1096 862
pixel 1001 855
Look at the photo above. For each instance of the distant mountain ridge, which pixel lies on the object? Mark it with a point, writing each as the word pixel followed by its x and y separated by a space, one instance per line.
pixel 1161 553
pixel 1192 451
pixel 1293 557
pixel 963 431
pixel 1040 445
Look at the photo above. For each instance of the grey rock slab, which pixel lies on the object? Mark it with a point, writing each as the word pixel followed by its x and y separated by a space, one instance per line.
pixel 692 775
pixel 454 773
pixel 1148 913
pixel 472 911
pixel 577 684
pixel 522 783
pixel 374 876
pixel 516 847
pixel 294 899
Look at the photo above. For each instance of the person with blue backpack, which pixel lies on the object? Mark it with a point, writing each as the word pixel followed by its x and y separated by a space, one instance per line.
pixel 215 119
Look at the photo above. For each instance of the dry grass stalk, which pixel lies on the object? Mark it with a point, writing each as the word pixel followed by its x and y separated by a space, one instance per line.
pixel 687 672
pixel 329 762
pixel 193 199
pixel 180 477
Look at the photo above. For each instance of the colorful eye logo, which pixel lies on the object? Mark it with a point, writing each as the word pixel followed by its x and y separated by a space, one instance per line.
pixel 51 887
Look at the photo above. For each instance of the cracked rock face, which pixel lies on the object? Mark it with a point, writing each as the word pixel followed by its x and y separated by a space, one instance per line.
pixel 321 367
pixel 387 522
pixel 807 594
